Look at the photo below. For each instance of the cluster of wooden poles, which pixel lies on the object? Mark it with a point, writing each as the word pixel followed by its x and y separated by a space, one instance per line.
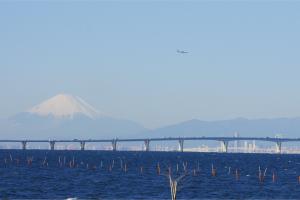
pixel 169 173
pixel 63 162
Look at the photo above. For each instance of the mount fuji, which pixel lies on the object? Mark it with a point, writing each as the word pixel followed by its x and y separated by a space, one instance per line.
pixel 65 106
pixel 66 117
pixel 69 117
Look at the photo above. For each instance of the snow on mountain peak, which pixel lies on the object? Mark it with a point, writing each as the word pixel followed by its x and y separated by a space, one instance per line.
pixel 64 106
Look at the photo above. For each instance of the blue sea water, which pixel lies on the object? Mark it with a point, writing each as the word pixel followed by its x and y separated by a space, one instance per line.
pixel 103 175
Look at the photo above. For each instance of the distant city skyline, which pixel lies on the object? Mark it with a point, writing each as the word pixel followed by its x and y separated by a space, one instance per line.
pixel 122 58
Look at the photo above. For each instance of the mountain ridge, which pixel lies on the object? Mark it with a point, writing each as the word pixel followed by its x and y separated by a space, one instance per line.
pixel 245 127
pixel 66 117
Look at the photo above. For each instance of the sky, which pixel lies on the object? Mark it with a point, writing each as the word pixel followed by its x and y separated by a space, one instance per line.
pixel 121 57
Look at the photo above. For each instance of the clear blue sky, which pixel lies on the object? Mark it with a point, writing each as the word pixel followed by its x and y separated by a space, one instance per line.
pixel 121 58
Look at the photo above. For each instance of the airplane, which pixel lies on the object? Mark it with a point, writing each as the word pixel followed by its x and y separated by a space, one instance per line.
pixel 182 52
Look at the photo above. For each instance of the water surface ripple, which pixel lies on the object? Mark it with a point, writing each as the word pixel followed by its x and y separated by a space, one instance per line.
pixel 103 175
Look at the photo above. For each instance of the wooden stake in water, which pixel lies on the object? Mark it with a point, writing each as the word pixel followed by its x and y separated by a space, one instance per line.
pixel 113 163
pixel 125 168
pixel 229 170
pixel 121 164
pixel 173 187
pixel 259 174
pixel 184 164
pixel 169 171
pixel 45 160
pixel 73 162
pixel 173 184
pixel 265 172
pixel 59 161
pixel 29 160
pixel 141 169
pixel 158 168
pixel 273 177
pixel 237 174
pixel 213 170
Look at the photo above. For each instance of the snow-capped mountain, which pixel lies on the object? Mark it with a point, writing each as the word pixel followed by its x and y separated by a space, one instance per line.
pixel 66 117
pixel 64 106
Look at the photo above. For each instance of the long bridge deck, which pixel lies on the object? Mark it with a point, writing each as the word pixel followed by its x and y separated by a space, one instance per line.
pixel 224 141
pixel 270 139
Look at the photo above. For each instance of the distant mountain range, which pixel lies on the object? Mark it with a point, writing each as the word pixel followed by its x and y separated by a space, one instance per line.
pixel 287 127
pixel 66 117
pixel 69 117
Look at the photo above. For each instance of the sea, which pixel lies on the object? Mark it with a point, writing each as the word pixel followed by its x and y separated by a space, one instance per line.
pixel 58 174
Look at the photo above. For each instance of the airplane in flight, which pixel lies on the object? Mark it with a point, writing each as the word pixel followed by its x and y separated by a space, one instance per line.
pixel 181 51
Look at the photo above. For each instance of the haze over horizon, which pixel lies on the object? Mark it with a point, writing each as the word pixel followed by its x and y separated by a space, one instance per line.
pixel 121 58
pixel 66 106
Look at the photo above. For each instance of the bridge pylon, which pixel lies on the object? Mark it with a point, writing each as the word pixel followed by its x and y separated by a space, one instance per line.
pixel 181 141
pixel 147 144
pixel 24 145
pixel 278 146
pixel 224 146
pixel 52 145
pixel 82 145
pixel 114 145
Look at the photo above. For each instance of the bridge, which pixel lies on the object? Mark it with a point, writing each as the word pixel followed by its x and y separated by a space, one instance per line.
pixel 146 141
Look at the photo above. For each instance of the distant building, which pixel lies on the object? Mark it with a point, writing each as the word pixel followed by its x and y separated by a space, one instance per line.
pixel 278 135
